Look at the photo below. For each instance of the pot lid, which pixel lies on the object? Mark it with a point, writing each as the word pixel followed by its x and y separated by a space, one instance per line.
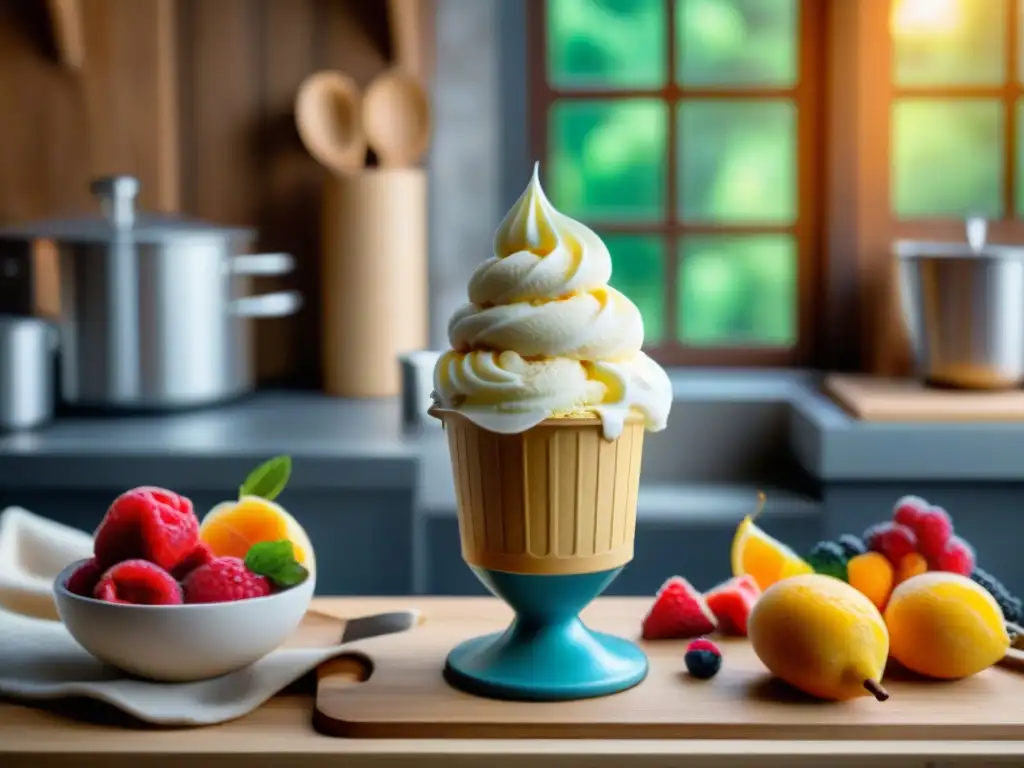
pixel 118 219
pixel 974 245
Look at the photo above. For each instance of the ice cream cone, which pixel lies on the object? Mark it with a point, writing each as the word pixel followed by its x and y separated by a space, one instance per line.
pixel 557 499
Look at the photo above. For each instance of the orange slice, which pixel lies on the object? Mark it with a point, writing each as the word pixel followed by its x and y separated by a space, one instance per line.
pixel 232 527
pixel 763 558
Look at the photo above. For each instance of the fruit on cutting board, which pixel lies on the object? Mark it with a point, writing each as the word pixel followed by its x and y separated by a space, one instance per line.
pixel 758 555
pixel 1011 605
pixel 731 602
pixel 829 558
pixel 702 659
pixel 944 625
pixel 679 612
pixel 872 575
pixel 231 528
pixel 821 636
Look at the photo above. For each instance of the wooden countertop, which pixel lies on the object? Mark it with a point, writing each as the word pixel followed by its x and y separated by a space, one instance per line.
pixel 280 735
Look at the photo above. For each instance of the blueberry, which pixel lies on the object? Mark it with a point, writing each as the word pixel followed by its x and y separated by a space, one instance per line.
pixel 703 664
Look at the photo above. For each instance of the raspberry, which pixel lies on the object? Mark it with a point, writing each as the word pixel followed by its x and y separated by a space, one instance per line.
pixel 201 555
pixel 139 582
pixel 84 578
pixel 224 580
pixel 908 509
pixel 956 557
pixel 933 528
pixel 149 524
pixel 892 540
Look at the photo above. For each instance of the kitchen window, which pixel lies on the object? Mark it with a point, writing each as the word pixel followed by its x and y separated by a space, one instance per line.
pixel 957 114
pixel 688 134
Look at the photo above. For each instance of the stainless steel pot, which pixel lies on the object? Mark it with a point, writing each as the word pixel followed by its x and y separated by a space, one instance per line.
pixel 964 309
pixel 155 311
pixel 27 347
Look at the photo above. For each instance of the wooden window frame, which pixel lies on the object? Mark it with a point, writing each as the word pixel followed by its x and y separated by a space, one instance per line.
pixel 807 229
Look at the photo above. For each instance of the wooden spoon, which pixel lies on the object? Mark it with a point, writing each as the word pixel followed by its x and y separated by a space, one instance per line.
pixel 328 111
pixel 405 22
pixel 66 20
pixel 396 118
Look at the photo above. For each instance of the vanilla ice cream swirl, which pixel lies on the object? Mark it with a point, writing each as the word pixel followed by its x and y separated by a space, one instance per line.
pixel 543 334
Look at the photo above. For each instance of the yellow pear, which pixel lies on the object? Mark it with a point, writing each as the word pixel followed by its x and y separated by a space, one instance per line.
pixel 945 626
pixel 822 636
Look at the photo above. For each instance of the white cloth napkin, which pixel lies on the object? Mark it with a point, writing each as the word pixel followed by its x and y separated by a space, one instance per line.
pixel 39 659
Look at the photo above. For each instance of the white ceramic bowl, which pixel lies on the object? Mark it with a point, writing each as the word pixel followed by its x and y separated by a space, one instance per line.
pixel 182 643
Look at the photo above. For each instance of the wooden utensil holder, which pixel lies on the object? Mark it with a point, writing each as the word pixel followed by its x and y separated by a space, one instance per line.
pixel 374 279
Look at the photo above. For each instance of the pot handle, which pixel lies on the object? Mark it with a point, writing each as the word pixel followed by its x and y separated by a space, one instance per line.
pixel 278 304
pixel 262 264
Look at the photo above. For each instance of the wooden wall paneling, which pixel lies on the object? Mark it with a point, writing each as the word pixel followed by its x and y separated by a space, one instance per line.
pixel 43 163
pixel 290 191
pixel 353 37
pixel 125 82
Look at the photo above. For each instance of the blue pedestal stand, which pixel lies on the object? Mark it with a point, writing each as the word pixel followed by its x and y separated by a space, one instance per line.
pixel 547 654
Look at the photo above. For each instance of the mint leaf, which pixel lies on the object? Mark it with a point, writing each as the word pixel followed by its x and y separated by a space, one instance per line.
pixel 276 560
pixel 268 479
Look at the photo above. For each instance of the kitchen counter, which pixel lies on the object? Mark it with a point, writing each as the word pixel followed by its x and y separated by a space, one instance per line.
pixel 280 735
pixel 340 444
pixel 336 444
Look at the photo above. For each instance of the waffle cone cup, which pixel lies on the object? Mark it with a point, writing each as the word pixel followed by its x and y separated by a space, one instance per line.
pixel 556 499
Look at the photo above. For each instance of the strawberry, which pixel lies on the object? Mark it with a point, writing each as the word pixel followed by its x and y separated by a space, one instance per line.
pixel 84 578
pixel 201 555
pixel 224 580
pixel 139 582
pixel 149 524
pixel 731 603
pixel 679 612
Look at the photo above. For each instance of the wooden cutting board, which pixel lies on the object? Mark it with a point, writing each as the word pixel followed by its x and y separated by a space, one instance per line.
pixel 905 400
pixel 394 689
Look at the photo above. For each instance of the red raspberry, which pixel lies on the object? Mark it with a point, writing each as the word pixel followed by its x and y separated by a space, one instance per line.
pixel 933 528
pixel 149 524
pixel 224 580
pixel 956 557
pixel 891 540
pixel 201 555
pixel 908 509
pixel 139 582
pixel 84 578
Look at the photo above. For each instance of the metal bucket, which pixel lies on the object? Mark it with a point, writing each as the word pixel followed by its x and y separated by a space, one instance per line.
pixel 963 305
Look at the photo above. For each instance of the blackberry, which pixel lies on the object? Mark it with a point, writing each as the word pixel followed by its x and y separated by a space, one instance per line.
pixel 1010 605
pixel 852 545
pixel 828 558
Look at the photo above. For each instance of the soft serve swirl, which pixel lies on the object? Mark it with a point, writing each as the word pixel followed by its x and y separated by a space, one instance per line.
pixel 545 335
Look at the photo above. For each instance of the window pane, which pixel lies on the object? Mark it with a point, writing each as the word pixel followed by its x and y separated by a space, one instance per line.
pixel 737 161
pixel 737 42
pixel 606 43
pixel 608 159
pixel 738 290
pixel 947 158
pixel 949 42
pixel 638 270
